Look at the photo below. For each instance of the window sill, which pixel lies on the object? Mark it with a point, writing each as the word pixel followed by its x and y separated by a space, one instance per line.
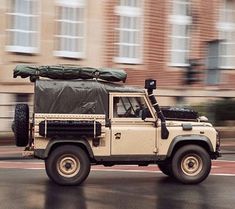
pixel 22 49
pixel 67 54
pixel 178 65
pixel 123 60
pixel 227 67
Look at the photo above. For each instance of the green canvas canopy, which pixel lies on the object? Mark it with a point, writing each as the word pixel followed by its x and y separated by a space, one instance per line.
pixel 76 96
pixel 68 72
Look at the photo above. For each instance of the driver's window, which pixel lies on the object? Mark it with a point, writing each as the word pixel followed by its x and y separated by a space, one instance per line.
pixel 128 107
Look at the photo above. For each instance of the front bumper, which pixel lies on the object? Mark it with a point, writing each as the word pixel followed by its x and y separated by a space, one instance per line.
pixel 217 150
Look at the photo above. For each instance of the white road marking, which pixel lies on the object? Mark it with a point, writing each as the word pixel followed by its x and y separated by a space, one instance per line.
pixel 30 165
pixel 132 171
pixel 122 170
pixel 221 174
pixel 227 161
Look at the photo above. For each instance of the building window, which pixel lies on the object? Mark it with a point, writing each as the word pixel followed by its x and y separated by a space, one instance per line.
pixel 23 30
pixel 129 31
pixel 70 28
pixel 213 71
pixel 226 28
pixel 180 32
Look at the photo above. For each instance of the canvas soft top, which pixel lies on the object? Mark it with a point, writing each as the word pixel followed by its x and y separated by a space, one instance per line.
pixel 76 96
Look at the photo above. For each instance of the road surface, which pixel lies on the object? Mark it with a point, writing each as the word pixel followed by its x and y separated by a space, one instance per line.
pixel 24 184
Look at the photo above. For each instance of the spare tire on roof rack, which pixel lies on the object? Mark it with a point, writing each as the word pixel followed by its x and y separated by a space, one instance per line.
pixel 69 72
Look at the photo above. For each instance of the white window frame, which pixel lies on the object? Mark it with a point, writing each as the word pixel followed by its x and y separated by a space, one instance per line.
pixel 130 95
pixel 183 20
pixel 213 73
pixel 72 4
pixel 129 11
pixel 13 46
pixel 226 27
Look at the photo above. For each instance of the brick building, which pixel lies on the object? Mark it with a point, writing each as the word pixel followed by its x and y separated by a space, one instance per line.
pixel 148 38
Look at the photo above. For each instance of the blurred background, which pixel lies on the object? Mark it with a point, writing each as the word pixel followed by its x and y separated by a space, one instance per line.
pixel 188 46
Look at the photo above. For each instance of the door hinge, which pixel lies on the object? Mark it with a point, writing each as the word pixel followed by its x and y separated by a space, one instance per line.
pixel 155 150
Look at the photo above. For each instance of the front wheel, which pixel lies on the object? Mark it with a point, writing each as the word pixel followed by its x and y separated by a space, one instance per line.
pixel 68 165
pixel 191 164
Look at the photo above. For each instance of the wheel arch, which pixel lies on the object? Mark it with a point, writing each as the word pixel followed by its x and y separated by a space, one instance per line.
pixel 57 143
pixel 180 141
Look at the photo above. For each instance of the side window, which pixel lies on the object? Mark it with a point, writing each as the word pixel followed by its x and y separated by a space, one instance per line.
pixel 128 107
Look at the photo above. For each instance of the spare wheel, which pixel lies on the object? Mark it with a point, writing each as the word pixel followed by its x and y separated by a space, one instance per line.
pixel 21 125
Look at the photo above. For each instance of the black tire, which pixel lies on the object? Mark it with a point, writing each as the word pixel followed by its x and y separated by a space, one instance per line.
pixel 68 165
pixel 191 164
pixel 21 125
pixel 166 168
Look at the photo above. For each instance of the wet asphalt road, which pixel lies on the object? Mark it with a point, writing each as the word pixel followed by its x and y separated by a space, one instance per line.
pixel 31 189
pixel 26 186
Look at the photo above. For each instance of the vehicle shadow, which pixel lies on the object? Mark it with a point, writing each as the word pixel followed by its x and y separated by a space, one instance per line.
pixel 173 194
pixel 108 190
pixel 64 197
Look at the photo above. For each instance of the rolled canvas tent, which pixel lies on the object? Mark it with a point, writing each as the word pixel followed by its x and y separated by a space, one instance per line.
pixel 68 72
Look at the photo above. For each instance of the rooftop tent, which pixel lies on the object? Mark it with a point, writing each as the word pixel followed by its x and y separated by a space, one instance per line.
pixel 68 72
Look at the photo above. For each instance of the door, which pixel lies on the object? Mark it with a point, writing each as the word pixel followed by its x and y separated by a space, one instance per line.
pixel 130 135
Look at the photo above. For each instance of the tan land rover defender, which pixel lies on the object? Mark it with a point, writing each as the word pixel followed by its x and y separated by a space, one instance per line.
pixel 81 117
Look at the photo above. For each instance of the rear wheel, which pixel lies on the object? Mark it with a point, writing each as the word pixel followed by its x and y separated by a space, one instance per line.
pixel 21 125
pixel 68 165
pixel 191 164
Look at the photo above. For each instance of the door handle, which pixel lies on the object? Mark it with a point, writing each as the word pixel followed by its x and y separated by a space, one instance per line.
pixel 117 135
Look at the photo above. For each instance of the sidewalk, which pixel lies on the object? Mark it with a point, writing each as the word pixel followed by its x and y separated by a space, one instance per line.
pixel 7 138
pixel 227 145
pixel 9 151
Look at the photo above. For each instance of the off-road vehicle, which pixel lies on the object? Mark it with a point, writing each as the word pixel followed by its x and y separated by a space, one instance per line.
pixel 81 117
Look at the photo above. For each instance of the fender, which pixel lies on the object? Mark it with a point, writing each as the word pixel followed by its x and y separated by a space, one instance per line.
pixel 44 153
pixel 185 138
